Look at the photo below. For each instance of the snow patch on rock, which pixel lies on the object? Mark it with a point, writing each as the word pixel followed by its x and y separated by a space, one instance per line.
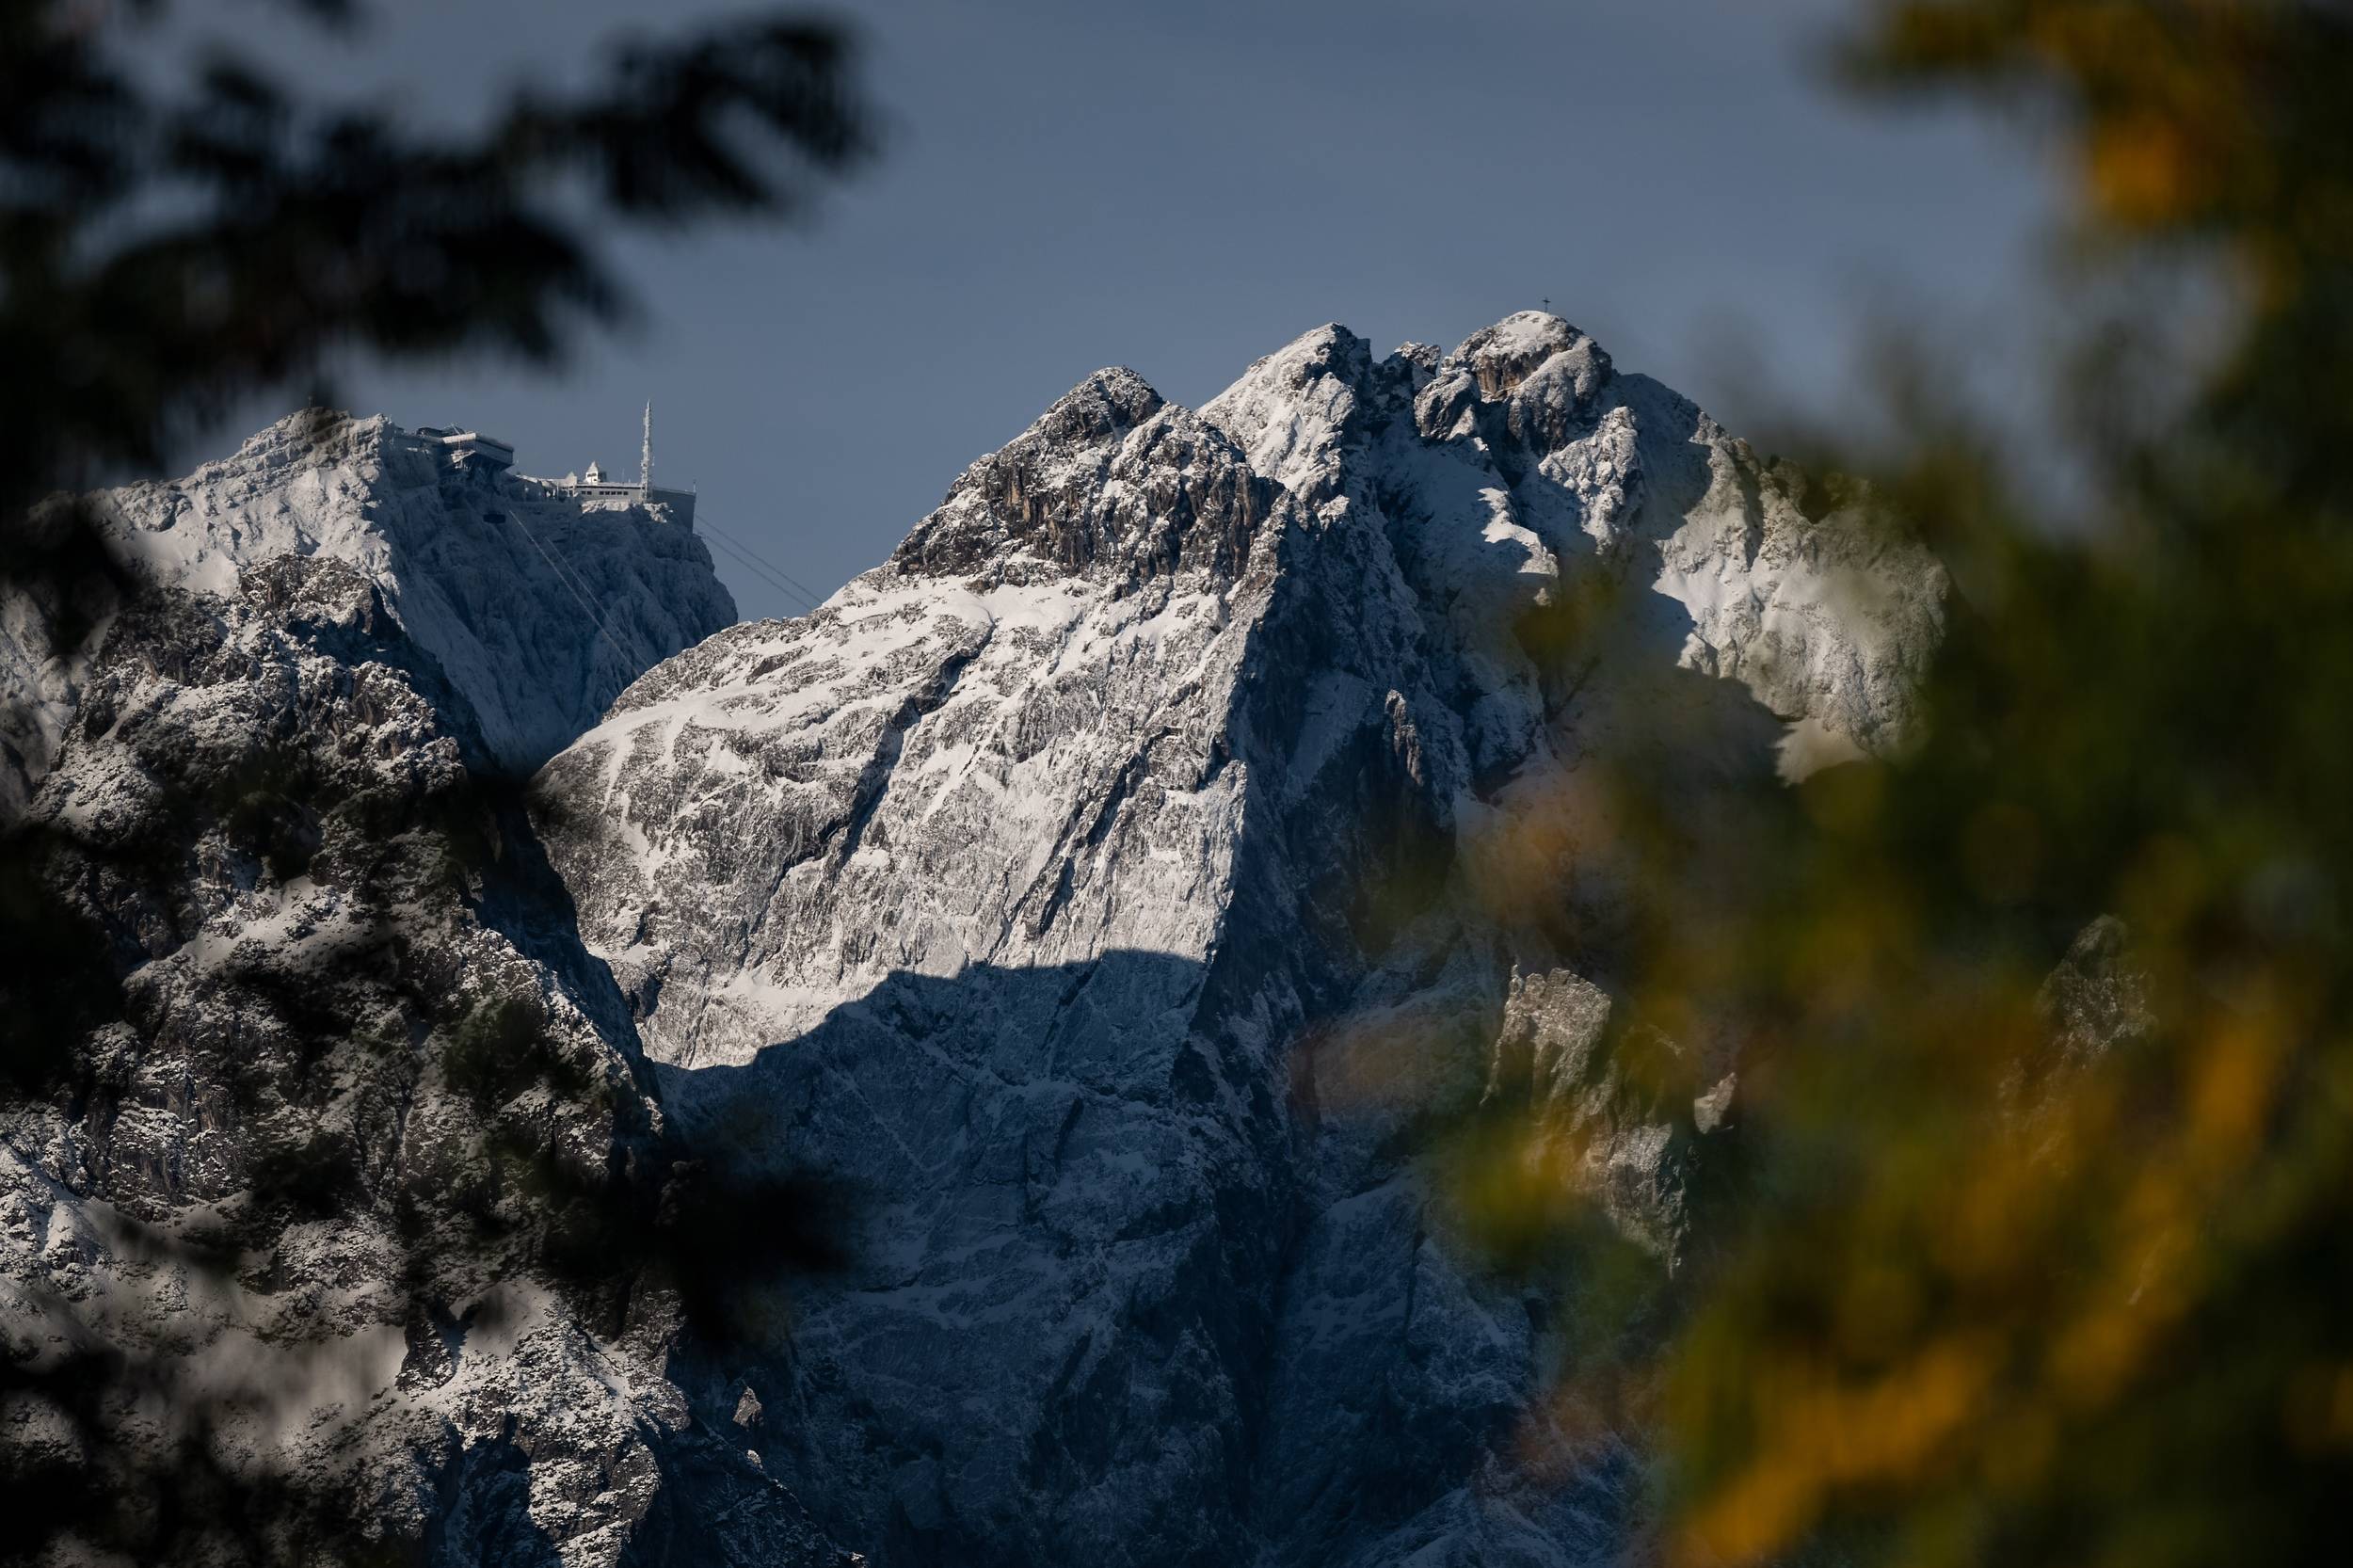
pixel 1108 881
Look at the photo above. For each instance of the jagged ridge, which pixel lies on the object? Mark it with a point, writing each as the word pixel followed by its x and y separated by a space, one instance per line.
pixel 1182 774
pixel 538 608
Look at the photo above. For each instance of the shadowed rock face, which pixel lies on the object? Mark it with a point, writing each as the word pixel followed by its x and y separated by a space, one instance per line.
pixel 1111 483
pixel 538 608
pixel 1116 882
pixel 1112 888
pixel 276 1223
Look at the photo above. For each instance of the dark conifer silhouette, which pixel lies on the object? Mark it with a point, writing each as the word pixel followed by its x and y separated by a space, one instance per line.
pixel 2039 1235
pixel 164 251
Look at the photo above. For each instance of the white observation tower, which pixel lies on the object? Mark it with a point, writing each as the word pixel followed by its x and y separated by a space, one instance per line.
pixel 595 484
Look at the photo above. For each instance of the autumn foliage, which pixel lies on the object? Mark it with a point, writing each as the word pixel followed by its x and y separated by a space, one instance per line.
pixel 2044 1239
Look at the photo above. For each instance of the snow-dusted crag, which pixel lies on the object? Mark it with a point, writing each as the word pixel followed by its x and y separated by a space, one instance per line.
pixel 1113 891
pixel 538 607
pixel 282 1226
pixel 1109 884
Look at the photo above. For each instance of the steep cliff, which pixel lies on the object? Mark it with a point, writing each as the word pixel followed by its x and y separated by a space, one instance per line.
pixel 1116 891
pixel 329 1174
pixel 538 608
pixel 1115 882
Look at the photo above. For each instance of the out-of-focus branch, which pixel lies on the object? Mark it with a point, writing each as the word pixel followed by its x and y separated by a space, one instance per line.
pixel 161 257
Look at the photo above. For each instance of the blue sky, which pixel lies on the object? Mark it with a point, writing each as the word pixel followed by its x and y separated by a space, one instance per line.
pixel 1069 184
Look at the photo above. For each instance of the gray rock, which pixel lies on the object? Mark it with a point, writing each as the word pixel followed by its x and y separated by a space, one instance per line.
pixel 538 608
pixel 292 1198
pixel 1114 883
pixel 1116 889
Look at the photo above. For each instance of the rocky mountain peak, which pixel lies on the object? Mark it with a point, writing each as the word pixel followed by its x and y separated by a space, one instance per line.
pixel 1112 400
pixel 1063 881
pixel 538 606
pixel 318 1066
pixel 1502 356
pixel 1539 372
pixel 1112 481
pixel 1293 410
pixel 1108 887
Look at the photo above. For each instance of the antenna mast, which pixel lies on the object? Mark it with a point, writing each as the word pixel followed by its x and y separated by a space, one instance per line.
pixel 645 457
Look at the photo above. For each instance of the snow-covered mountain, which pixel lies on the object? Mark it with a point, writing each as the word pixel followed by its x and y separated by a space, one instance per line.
pixel 336 1081
pixel 1114 890
pixel 1111 884
pixel 538 607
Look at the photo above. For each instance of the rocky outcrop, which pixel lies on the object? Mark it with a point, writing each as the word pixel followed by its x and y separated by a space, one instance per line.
pixel 1114 892
pixel 538 607
pixel 329 1161
pixel 1116 883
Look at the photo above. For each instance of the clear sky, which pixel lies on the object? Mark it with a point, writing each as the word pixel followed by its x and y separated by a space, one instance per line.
pixel 1186 186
